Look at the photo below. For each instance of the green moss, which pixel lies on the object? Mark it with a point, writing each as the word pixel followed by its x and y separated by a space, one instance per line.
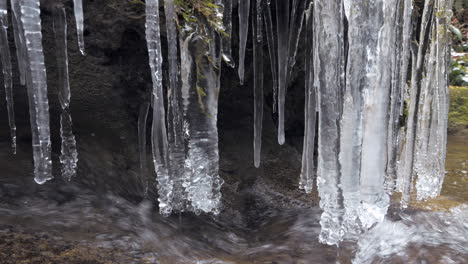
pixel 193 10
pixel 458 114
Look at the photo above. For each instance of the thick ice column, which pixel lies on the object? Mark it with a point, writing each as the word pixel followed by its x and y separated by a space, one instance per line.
pixel 308 169
pixel 444 8
pixel 243 10
pixel 351 124
pixel 258 83
pixel 272 50
pixel 282 27
pixel 432 137
pixel 328 81
pixel 37 90
pixel 7 72
pixel 405 178
pixel 400 66
pixel 175 112
pixel 395 101
pixel 424 160
pixel 159 136
pixel 202 163
pixel 79 19
pixel 376 93
pixel 227 23
pixel 69 156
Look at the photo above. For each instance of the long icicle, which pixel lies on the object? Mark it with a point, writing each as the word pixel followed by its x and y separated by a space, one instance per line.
pixel 432 138
pixel 69 156
pixel 175 112
pixel 295 28
pixel 79 19
pixel 258 81
pixel 37 90
pixel 7 72
pixel 308 168
pixel 272 50
pixel 282 25
pixel 406 181
pixel 376 93
pixel 243 11
pixel 395 100
pixel 159 136
pixel 358 15
pixel 328 81
pixel 142 121
pixel 19 39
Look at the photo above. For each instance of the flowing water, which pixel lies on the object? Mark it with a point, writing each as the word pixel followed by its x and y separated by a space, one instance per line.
pixel 432 232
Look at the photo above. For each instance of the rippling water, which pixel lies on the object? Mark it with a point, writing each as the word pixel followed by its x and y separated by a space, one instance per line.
pixel 80 215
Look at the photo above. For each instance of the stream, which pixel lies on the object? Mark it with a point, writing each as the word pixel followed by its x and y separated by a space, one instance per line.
pixel 58 226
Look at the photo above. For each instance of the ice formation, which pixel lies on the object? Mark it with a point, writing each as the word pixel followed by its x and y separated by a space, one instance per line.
pixel 257 24
pixel 7 72
pixel 79 20
pixel 36 82
pixel 158 130
pixel 243 11
pixel 185 154
pixel 142 121
pixel 69 157
pixel 356 81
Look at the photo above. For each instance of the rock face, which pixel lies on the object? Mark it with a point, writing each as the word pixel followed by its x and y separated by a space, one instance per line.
pixel 109 84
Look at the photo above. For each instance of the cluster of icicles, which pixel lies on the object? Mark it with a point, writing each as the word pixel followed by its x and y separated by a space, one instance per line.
pixel 26 23
pixel 365 64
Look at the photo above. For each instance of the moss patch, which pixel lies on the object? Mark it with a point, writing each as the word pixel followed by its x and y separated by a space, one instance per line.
pixel 458 114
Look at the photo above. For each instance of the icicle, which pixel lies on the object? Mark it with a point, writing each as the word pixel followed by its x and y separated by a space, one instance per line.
pixel 244 9
pixel 187 80
pixel 259 23
pixel 394 114
pixel 159 136
pixel 374 200
pixel 203 183
pixel 69 157
pixel 406 36
pixel 400 67
pixel 142 120
pixel 79 19
pixel 272 50
pixel 258 83
pixel 444 9
pixel 308 170
pixel 7 72
pixel 406 180
pixel 424 161
pixel 328 64
pixel 295 27
pixel 431 150
pixel 227 22
pixel 351 124
pixel 37 90
pixel 19 39
pixel 175 124
pixel 282 24
pixel 175 112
